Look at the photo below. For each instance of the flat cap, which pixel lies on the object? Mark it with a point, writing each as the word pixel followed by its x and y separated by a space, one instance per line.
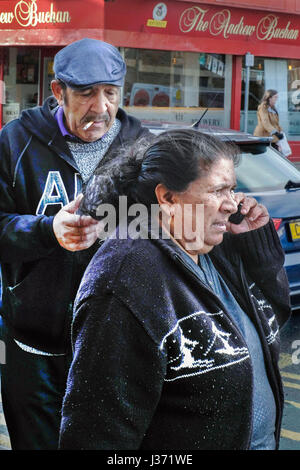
pixel 88 62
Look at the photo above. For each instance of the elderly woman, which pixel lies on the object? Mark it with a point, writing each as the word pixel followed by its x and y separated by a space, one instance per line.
pixel 176 331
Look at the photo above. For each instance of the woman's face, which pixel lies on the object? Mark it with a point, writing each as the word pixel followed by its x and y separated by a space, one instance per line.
pixel 204 209
pixel 272 100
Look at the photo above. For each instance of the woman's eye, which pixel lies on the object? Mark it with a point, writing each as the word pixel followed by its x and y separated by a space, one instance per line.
pixel 222 191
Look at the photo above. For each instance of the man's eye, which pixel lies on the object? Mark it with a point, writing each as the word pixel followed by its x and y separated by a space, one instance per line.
pixel 85 94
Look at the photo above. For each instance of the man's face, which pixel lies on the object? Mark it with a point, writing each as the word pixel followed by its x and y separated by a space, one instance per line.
pixel 215 192
pixel 98 104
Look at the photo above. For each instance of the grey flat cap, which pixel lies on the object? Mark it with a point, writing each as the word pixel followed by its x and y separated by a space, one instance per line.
pixel 88 62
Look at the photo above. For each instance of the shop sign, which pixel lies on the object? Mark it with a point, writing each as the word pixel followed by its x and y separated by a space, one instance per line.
pixel 28 14
pixel 176 18
pixel 159 14
pixel 222 24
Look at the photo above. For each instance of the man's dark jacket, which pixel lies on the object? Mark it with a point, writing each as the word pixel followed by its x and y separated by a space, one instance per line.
pixel 37 177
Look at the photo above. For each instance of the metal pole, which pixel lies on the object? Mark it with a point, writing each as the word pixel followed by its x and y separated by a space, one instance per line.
pixel 246 101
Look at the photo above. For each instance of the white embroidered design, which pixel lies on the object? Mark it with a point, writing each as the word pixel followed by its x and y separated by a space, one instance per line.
pixel 262 304
pixel 274 330
pixel 267 310
pixel 227 349
pixel 197 344
pixel 187 359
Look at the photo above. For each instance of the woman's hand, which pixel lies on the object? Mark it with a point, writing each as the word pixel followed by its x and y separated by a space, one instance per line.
pixel 255 215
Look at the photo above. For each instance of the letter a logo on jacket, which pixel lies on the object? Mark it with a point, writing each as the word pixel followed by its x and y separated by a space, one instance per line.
pixel 54 193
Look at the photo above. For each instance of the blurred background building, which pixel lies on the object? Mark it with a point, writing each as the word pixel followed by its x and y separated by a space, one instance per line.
pixel 182 56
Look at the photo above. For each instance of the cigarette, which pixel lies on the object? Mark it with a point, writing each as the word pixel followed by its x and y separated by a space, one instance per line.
pixel 88 125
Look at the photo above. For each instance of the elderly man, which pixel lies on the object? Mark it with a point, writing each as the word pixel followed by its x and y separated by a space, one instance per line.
pixel 46 156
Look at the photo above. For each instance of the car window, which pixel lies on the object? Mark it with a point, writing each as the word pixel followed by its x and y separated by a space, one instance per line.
pixel 263 169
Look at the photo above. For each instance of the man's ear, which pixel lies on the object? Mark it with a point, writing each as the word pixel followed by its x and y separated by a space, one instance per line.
pixel 57 92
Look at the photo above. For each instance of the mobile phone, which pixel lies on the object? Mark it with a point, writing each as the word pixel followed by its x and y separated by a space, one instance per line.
pixel 237 217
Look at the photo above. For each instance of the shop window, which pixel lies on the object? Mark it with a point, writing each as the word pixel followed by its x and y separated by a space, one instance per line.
pixel 21 70
pixel 178 86
pixel 48 76
pixel 282 75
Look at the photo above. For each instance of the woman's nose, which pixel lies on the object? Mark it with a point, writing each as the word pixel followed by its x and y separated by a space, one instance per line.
pixel 230 204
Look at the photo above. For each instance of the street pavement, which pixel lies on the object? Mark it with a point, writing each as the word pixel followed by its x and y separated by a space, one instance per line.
pixel 290 371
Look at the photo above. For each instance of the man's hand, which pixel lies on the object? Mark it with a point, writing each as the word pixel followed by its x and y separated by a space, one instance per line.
pixel 74 232
pixel 256 215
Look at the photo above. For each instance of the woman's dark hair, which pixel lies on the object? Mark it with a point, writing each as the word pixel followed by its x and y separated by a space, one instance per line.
pixel 174 158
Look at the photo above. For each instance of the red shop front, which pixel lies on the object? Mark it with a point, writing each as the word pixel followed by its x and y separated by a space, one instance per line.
pixel 31 32
pixel 183 57
pixel 197 49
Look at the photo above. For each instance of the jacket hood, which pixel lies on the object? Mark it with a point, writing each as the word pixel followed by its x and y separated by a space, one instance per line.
pixel 40 120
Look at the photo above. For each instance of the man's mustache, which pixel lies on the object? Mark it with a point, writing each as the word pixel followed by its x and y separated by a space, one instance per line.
pixel 96 117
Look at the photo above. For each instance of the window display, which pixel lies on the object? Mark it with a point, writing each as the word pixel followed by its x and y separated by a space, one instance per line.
pixel 178 86
pixel 21 66
pixel 282 75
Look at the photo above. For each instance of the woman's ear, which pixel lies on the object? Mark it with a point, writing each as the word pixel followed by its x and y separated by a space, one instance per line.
pixel 164 195
pixel 167 202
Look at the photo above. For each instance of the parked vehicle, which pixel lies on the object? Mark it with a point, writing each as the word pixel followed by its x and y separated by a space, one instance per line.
pixel 275 182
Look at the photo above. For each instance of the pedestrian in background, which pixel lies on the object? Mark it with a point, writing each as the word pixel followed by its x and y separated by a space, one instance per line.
pixel 268 119
pixel 45 157
pixel 176 332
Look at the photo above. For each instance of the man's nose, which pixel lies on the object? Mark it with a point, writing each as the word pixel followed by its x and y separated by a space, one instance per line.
pixel 100 103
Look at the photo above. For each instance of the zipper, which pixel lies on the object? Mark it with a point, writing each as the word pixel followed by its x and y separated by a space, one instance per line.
pixel 19 160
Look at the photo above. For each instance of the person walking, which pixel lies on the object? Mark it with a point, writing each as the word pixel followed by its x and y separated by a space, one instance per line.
pixel 268 119
pixel 176 321
pixel 47 155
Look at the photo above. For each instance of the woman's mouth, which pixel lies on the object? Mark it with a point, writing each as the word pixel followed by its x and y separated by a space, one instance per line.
pixel 220 226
